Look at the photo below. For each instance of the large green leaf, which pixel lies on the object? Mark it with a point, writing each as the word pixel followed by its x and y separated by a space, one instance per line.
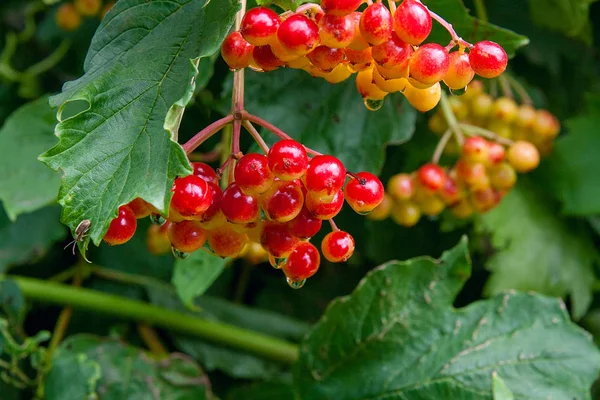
pixel 501 391
pixel 29 236
pixel 84 365
pixel 262 391
pixel 329 118
pixel 194 275
pixel 537 250
pixel 397 336
pixel 470 28
pixel 137 68
pixel 570 17
pixel 25 183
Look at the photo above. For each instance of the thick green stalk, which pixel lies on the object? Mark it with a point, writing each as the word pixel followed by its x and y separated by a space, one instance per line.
pixel 217 332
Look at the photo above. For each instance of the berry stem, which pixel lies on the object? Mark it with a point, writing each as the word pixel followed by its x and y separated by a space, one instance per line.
pixel 275 130
pixel 152 341
pixel 134 310
pixel 256 136
pixel 520 89
pixel 439 149
pixel 392 6
pixel 205 133
pixel 211 156
pixel 505 85
pixel 472 130
pixel 451 118
pixel 334 227
pixel 448 26
pixel 353 175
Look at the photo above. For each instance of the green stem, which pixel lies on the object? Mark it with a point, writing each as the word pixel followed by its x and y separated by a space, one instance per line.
pixel 221 333
pixel 480 10
pixel 50 61
pixel 451 118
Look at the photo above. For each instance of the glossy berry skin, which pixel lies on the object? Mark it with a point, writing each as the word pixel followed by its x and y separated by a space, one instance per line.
pixel 186 236
pixel 277 239
pixel 423 99
pixel 226 242
pixel 523 156
pixel 431 176
pixel 305 225
pixel 488 59
pixel 476 149
pixel 302 263
pixel 252 174
pixel 364 192
pixel 206 172
pixel 238 207
pixel 236 52
pixel 401 187
pixel 337 246
pixel 191 197
pixel 141 208
pixel 340 7
pixel 459 73
pixel 366 87
pixel 298 34
pixel 412 22
pixel 392 53
pixel 288 160
pixel 325 175
pixel 324 209
pixel 265 59
pixel 67 18
pixel 283 201
pixel 337 32
pixel 259 26
pixel 429 64
pixel 122 228
pixel 376 24
pixel 326 58
pixel 215 204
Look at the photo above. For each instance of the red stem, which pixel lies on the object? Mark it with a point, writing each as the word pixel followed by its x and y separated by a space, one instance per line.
pixel 333 225
pixel 256 136
pixel 205 133
pixel 448 26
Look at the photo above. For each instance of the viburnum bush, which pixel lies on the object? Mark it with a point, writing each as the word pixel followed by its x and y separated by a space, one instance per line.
pixel 373 154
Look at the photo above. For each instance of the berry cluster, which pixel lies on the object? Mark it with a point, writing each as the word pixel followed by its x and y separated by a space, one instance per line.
pixel 382 46
pixel 69 16
pixel 277 201
pixel 502 116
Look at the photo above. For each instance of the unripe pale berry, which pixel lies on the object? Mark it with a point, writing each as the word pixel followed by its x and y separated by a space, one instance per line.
pixel 523 156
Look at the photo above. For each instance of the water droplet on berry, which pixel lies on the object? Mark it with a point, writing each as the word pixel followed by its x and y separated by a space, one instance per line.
pixel 373 105
pixel 157 219
pixel 179 254
pixel 276 263
pixel 458 92
pixel 296 284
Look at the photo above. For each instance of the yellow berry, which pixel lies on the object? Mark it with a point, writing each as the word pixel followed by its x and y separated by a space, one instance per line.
pixel 523 156
pixel 423 99
pixel 67 18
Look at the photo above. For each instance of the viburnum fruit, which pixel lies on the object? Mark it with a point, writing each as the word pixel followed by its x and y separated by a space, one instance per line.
pixel 305 225
pixel 225 241
pixel 298 34
pixel 191 197
pixel 412 22
pixel 337 246
pixel 141 208
pixel 88 8
pixel 429 64
pixel 523 156
pixel 476 149
pixel 376 24
pixel 488 59
pixel 401 186
pixel 238 207
pixel 431 176
pixel 337 31
pixel 186 236
pixel 283 201
pixel 340 7
pixel 252 174
pixel 302 263
pixel 157 239
pixel 67 18
pixel 364 192
pixel 325 176
pixel 324 209
pixel 288 160
pixel 277 239
pixel 236 51
pixel 259 25
pixel 459 73
pixel 122 228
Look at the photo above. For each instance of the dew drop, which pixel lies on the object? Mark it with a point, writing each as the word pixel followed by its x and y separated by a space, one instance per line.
pixel 296 284
pixel 276 263
pixel 458 92
pixel 179 254
pixel 373 105
pixel 157 219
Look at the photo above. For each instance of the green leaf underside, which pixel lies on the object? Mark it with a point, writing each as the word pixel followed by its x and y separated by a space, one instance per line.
pixel 397 336
pixel 194 275
pixel 536 250
pixel 86 364
pixel 25 183
pixel 330 118
pixel 137 67
pixel 469 28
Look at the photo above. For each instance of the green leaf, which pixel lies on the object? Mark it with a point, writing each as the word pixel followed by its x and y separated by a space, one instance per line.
pixel 263 391
pixel 537 250
pixel 29 237
pixel 137 67
pixel 194 275
pixel 25 183
pixel 285 4
pixel 570 17
pixel 397 336
pixel 329 118
pixel 501 391
pixel 114 370
pixel 12 302
pixel 469 28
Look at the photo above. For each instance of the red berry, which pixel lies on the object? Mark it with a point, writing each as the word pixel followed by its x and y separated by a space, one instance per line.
pixel 324 209
pixel 305 225
pixel 340 7
pixel 376 24
pixel 450 192
pixel 412 22
pixel 186 236
pixel 325 175
pixel 496 153
pixel 252 173
pixel 459 73
pixel 393 53
pixel 215 204
pixel 488 59
pixel 141 208
pixel 431 176
pixel 473 174
pixel 288 160
pixel 337 246
pixel 364 192
pixel 302 263
pixel 476 149
pixel 265 59
pixel 283 201
pixel 337 32
pixel 227 242
pixel 191 197
pixel 429 64
pixel 277 239
pixel 238 207
pixel 259 25
pixel 298 34
pixel 326 58
pixel 122 228
pixel 205 172
pixel 236 52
